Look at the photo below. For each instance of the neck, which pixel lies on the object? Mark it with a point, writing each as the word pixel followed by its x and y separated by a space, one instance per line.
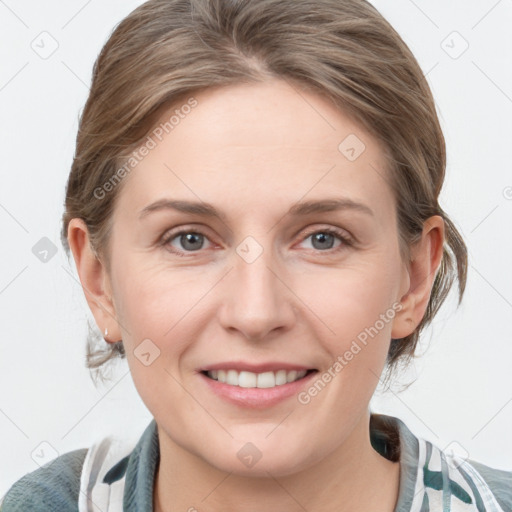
pixel 354 477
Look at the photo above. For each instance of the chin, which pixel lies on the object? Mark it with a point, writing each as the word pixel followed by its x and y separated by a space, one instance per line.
pixel 275 467
pixel 263 458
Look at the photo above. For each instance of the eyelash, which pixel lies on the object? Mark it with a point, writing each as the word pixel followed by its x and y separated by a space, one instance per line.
pixel 345 239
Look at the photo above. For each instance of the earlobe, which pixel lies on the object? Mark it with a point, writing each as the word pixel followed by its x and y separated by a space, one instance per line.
pixel 402 323
pixel 426 257
pixel 94 279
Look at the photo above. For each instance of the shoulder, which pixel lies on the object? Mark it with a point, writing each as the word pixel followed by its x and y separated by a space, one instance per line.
pixel 498 481
pixel 54 486
pixel 431 475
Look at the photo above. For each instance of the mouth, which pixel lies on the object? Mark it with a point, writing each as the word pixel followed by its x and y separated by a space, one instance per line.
pixel 263 380
pixel 253 385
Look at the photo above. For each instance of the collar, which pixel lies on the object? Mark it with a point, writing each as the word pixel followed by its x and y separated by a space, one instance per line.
pixel 118 476
pixel 142 464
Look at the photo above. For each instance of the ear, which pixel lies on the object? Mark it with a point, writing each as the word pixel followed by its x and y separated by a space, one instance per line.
pixel 426 257
pixel 94 279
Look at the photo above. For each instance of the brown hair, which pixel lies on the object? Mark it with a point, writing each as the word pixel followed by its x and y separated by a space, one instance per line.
pixel 343 50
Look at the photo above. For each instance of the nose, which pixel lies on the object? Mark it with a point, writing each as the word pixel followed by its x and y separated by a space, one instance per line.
pixel 257 301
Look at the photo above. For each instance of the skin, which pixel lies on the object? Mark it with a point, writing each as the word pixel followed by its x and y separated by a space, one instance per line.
pixel 253 151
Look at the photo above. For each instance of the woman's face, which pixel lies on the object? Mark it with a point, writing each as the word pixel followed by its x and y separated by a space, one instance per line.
pixel 268 280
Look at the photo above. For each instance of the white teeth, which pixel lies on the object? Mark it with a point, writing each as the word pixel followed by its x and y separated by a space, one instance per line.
pixel 232 377
pixel 247 380
pixel 291 376
pixel 256 380
pixel 281 377
pixel 266 380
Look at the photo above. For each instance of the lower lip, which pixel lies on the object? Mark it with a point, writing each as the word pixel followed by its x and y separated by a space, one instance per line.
pixel 256 398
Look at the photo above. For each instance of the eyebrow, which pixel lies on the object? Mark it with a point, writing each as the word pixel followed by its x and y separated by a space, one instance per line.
pixel 298 209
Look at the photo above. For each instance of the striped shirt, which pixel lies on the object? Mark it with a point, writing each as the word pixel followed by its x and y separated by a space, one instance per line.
pixel 118 475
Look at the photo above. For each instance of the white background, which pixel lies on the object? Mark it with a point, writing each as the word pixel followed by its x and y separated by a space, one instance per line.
pixel 463 386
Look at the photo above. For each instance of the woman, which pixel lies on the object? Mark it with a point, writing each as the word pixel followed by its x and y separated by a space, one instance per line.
pixel 297 146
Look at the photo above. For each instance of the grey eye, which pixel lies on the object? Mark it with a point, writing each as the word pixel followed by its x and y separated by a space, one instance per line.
pixel 191 241
pixel 322 240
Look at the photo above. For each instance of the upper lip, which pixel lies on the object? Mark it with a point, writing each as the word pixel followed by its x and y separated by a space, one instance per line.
pixel 254 368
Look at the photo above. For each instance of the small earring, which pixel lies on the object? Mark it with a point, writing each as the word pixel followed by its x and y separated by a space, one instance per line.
pixel 106 332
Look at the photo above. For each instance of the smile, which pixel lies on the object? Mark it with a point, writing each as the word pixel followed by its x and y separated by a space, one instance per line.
pixel 246 379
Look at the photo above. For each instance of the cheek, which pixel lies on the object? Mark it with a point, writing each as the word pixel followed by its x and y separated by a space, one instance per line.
pixel 155 302
pixel 349 300
pixel 356 305
pixel 155 309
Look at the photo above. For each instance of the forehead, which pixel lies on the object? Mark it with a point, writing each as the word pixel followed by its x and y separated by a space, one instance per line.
pixel 251 144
